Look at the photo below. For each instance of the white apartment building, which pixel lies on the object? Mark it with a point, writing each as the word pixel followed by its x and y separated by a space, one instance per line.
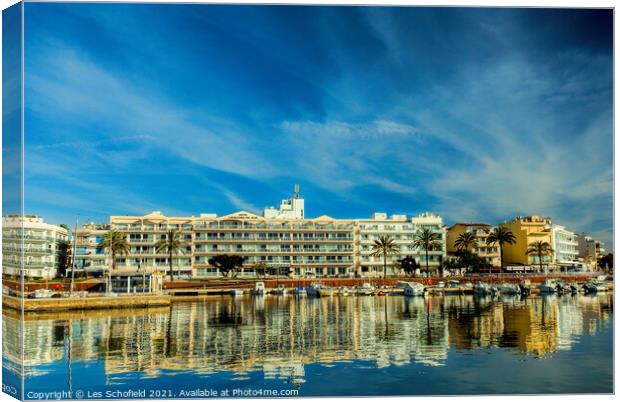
pixel 403 230
pixel 321 247
pixel 44 247
pixel 564 245
pixel 282 239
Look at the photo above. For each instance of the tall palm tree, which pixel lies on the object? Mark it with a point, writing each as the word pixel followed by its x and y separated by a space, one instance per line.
pixel 116 243
pixel 465 241
pixel 428 240
pixel 540 249
pixel 172 244
pixel 501 236
pixel 385 246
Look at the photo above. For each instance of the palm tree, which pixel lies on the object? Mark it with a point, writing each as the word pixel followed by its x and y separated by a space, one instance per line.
pixel 173 243
pixel 385 246
pixel 501 235
pixel 539 248
pixel 428 240
pixel 116 243
pixel 465 241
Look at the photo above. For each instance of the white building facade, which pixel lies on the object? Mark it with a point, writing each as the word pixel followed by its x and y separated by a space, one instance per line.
pixel 564 245
pixel 44 247
pixel 403 230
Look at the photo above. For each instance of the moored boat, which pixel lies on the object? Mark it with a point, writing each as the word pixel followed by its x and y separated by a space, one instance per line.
pixel 414 289
pixel 318 290
pixel 595 286
pixel 482 288
pixel 365 290
pixel 548 286
pixel 280 290
pixel 236 292
pixel 343 291
pixel 508 288
pixel 259 288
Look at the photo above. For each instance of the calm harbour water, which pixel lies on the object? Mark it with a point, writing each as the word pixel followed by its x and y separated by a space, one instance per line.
pixel 340 346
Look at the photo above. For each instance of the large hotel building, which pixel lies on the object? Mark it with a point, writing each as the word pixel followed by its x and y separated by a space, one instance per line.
pixel 282 238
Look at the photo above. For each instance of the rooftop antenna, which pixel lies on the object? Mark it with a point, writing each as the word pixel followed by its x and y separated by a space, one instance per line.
pixel 296 191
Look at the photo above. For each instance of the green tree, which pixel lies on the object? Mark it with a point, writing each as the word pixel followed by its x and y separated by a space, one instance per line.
pixel 384 246
pixel 227 263
pixel 116 243
pixel 409 265
pixel 501 236
pixel 427 240
pixel 173 243
pixel 465 241
pixel 470 261
pixel 539 248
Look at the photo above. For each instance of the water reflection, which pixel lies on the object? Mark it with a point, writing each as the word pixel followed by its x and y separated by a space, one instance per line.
pixel 279 336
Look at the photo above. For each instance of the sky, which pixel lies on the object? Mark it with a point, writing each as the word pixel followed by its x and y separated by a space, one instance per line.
pixel 475 114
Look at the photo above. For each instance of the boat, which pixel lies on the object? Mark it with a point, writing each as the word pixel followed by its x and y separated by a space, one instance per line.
pixel 562 287
pixel 595 286
pixel 482 288
pixel 454 283
pixel 508 289
pixel 42 294
pixel 525 287
pixel 318 290
pixel 259 288
pixel 236 292
pixel 299 291
pixel 365 290
pixel 548 286
pixel 414 289
pixel 343 291
pixel 441 284
pixel 280 290
pixel 468 285
pixel 574 288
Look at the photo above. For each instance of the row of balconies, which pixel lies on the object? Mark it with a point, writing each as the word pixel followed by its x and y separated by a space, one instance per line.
pixel 32 237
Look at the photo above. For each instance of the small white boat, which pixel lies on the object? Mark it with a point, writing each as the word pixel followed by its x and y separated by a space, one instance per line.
pixel 343 291
pixel 236 292
pixel 42 294
pixel 259 288
pixel 548 286
pixel 441 284
pixel 508 289
pixel 280 290
pixel 595 286
pixel 414 289
pixel 365 290
pixel 482 288
pixel 468 285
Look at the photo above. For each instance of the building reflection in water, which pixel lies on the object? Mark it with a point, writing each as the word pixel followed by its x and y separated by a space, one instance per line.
pixel 280 335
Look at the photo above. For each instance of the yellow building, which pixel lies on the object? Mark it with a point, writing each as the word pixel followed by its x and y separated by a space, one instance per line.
pixel 481 230
pixel 527 230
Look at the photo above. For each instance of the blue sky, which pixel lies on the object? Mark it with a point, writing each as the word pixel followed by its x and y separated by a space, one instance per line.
pixel 476 114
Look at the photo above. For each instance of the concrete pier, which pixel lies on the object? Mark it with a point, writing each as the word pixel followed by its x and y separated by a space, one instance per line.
pixel 85 303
